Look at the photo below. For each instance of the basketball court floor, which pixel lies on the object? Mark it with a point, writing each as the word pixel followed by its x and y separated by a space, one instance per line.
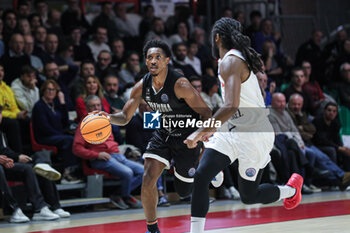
pixel 325 212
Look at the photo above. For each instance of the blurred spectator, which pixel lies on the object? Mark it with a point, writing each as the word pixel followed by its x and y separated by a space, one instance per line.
pixel 24 27
pixel 14 58
pixel 123 25
pixel 23 9
pixel 333 49
pixel 192 50
pixel 118 53
pixel 9 20
pixel 157 31
pixel 275 64
pixel 92 86
pixel 311 51
pixel 103 65
pixel 111 86
pixel 181 35
pixel 10 114
pixel 327 136
pixel 42 9
pixel 196 83
pixel 227 12
pixel 24 89
pixel 35 22
pixel 50 124
pixel 87 69
pixel 34 60
pixel 81 50
pixel 146 23
pixel 182 13
pixel 106 157
pixel 72 17
pixel 306 129
pixel 49 54
pixel 266 33
pixel 255 19
pixel 203 53
pixel 344 56
pixel 210 94
pixel 130 69
pixel 265 90
pixel 344 87
pixel 296 86
pixel 178 60
pixel 51 71
pixel 53 23
pixel 240 17
pixel 104 20
pixel 98 44
pixel 66 52
pixel 40 38
pixel 312 87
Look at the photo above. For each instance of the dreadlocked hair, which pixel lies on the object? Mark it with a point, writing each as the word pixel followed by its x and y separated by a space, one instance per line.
pixel 230 32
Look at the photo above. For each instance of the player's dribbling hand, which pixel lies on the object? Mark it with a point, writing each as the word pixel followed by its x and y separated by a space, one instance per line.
pixel 102 113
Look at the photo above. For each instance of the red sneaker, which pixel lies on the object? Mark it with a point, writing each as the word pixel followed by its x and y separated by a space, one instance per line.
pixel 295 181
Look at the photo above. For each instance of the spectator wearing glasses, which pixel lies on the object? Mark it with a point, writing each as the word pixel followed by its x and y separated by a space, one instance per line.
pixel 50 121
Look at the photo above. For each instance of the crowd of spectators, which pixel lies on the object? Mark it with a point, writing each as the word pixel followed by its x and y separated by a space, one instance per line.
pixel 57 64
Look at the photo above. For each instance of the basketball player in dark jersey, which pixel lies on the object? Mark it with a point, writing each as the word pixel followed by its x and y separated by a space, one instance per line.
pixel 171 95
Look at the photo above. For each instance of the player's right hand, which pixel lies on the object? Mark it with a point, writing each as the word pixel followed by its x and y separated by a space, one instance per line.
pixel 102 113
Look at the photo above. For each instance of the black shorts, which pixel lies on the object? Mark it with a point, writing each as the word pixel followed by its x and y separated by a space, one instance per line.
pixel 166 148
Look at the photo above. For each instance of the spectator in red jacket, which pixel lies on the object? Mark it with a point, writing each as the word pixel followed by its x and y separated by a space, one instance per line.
pixel 106 157
pixel 92 86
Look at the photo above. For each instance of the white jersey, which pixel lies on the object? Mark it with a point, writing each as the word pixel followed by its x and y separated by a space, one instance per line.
pixel 248 135
pixel 252 111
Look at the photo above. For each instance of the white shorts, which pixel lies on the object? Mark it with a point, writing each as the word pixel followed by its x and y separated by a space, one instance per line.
pixel 252 149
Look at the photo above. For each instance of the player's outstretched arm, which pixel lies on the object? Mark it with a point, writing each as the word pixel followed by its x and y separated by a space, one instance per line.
pixel 183 89
pixel 232 71
pixel 122 118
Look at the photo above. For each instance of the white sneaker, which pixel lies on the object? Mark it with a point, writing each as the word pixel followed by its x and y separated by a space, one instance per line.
pixel 63 214
pixel 234 192
pixel 46 171
pixel 45 214
pixel 218 180
pixel 18 216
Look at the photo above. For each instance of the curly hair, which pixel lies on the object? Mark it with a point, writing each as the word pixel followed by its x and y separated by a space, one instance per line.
pixel 156 44
pixel 230 32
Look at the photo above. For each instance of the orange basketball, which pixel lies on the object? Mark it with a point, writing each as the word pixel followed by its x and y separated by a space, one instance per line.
pixel 95 128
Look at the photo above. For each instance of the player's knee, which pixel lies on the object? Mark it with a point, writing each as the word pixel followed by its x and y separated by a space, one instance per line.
pixel 201 178
pixel 149 178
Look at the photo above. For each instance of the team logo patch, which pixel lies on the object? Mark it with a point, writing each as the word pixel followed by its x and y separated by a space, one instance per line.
pixel 164 97
pixel 250 172
pixel 191 172
pixel 151 120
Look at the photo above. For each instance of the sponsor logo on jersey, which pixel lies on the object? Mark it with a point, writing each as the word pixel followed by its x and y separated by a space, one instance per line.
pixel 250 172
pixel 160 107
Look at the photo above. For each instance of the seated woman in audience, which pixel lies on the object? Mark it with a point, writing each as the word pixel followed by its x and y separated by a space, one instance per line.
pixel 50 122
pixel 92 86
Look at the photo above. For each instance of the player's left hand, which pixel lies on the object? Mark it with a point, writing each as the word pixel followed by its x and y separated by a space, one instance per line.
pixel 199 135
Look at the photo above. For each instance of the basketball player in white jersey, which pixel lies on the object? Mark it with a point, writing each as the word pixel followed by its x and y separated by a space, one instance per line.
pixel 246 134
